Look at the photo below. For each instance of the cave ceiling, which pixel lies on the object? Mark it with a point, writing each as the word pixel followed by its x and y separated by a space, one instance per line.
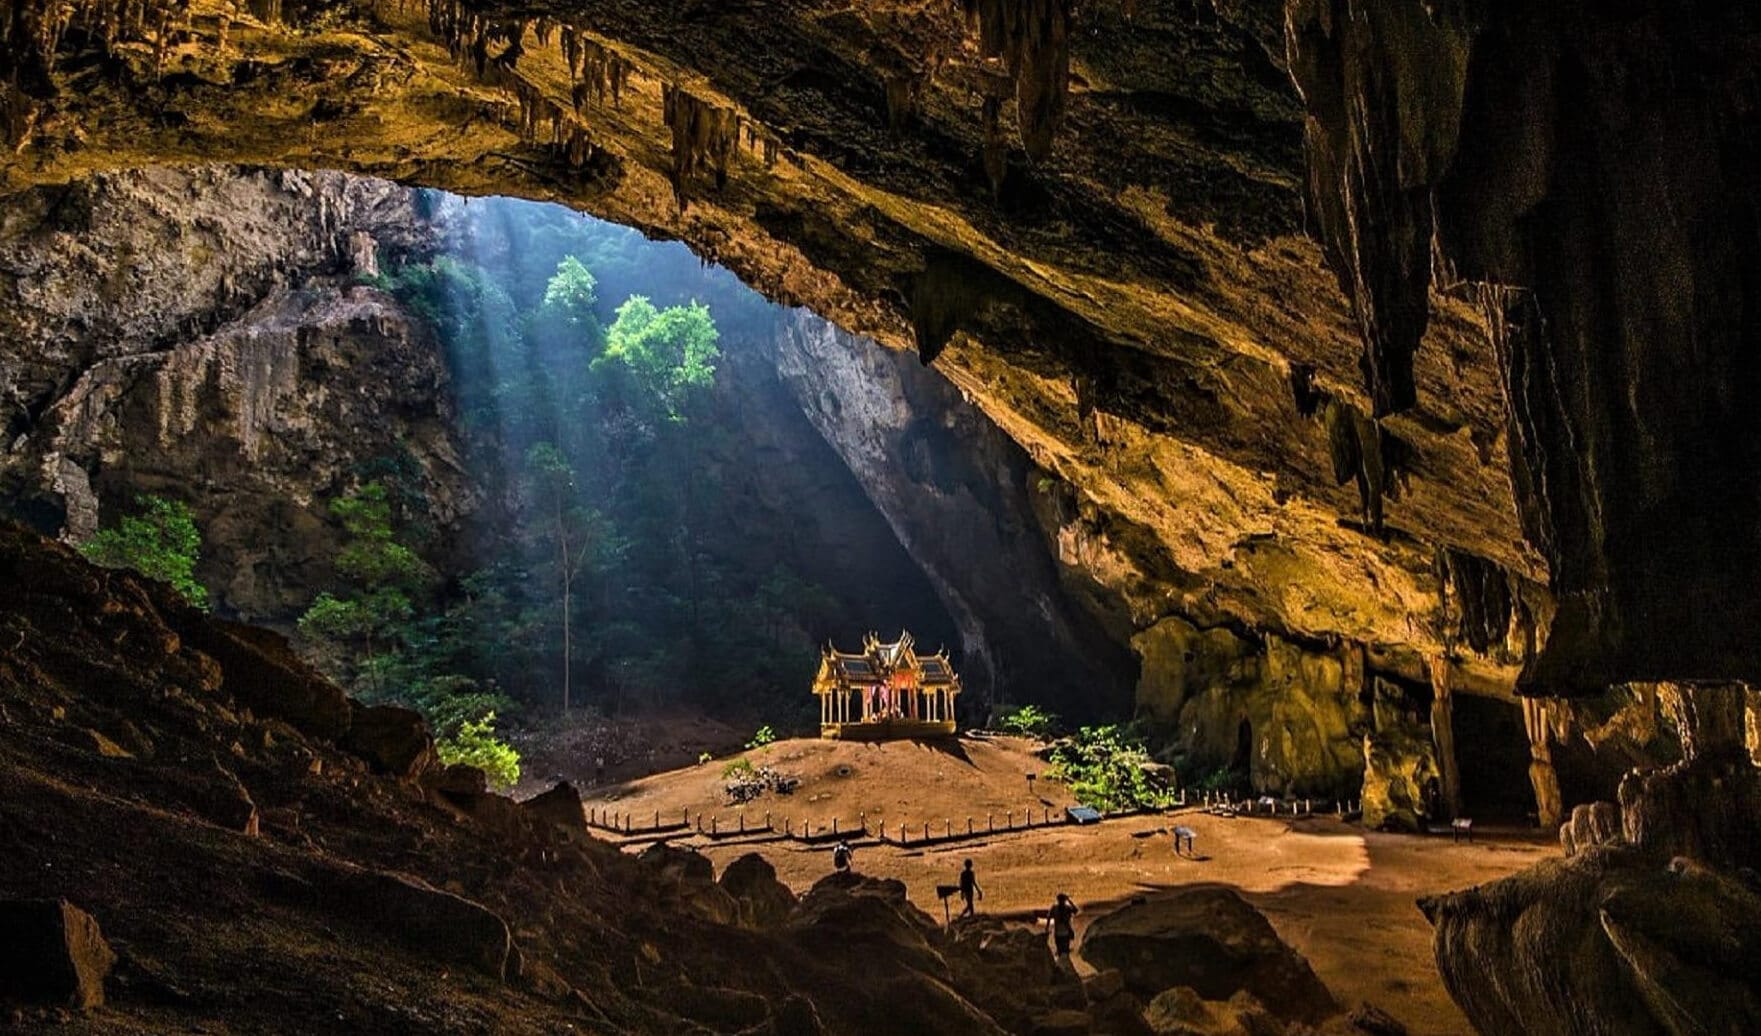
pixel 1119 276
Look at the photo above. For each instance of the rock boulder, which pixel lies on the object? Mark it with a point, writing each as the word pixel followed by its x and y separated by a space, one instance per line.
pixel 1210 939
pixel 52 952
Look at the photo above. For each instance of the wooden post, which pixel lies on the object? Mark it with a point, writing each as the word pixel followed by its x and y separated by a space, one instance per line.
pixel 863 816
pixel 742 823
pixel 990 822
pixel 834 825
pixel 948 827
pixel 1443 734
pixel 1010 818
pixel 968 825
pixel 767 826
pixel 713 822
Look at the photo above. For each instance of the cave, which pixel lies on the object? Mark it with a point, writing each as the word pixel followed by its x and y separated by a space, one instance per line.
pixel 442 439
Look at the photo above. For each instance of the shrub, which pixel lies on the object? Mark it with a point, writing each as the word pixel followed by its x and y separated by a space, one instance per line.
pixel 1107 768
pixel 762 737
pixel 741 767
pixel 1030 721
pixel 161 542
pixel 475 744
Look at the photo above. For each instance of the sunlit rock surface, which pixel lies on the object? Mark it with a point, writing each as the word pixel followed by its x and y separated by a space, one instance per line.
pixel 1154 332
pixel 200 333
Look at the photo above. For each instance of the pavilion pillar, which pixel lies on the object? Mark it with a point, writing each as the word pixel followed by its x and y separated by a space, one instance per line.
pixel 1538 724
pixel 1443 735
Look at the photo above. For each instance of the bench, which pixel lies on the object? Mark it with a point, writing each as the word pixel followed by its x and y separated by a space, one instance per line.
pixel 1461 827
pixel 1183 835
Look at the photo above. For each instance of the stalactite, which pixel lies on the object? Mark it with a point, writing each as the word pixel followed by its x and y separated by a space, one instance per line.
pixel 704 138
pixel 1481 593
pixel 1364 451
pixel 1032 39
pixel 996 148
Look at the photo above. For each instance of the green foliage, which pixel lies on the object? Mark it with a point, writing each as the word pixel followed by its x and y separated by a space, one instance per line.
pixel 741 767
pixel 764 736
pixel 668 354
pixel 160 542
pixel 361 626
pixel 570 294
pixel 703 757
pixel 475 744
pixel 1108 768
pixel 1030 721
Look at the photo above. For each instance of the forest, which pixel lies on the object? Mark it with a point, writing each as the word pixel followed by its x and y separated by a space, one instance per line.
pixel 599 573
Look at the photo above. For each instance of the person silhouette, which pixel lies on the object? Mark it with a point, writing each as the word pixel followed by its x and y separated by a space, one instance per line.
pixel 968 889
pixel 1058 923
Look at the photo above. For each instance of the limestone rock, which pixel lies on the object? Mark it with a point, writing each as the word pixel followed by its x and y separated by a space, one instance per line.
pixel 1209 939
pixel 752 881
pixel 1182 1012
pixel 1650 948
pixel 1592 824
pixel 52 953
pixel 1060 1023
pixel 1398 767
pixel 393 739
pixel 263 672
pixel 404 908
pixel 690 877
pixel 559 806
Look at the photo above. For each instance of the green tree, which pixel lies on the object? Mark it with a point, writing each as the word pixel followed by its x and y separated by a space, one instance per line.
pixel 380 577
pixel 475 744
pixel 570 295
pixel 669 354
pixel 160 542
pixel 567 532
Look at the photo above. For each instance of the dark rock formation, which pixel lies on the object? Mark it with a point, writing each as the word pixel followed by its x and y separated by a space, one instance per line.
pixel 752 881
pixel 1656 907
pixel 53 953
pixel 458 919
pixel 394 740
pixel 1651 949
pixel 1209 939
pixel 1572 159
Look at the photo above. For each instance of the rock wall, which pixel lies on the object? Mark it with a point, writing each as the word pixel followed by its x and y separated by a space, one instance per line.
pixel 197 334
pixel 960 495
pixel 1587 170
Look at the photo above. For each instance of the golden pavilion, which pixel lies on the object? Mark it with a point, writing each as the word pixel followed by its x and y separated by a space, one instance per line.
pixel 885 692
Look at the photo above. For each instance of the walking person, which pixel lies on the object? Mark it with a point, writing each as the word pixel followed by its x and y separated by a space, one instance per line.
pixel 841 854
pixel 1058 922
pixel 968 889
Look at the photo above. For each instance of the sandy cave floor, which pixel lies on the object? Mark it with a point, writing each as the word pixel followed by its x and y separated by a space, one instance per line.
pixel 1341 895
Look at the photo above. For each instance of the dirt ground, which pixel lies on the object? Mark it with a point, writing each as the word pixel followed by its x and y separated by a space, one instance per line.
pixel 1341 895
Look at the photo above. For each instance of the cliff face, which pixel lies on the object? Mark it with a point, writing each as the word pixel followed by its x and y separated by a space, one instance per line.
pixel 195 333
pixel 964 500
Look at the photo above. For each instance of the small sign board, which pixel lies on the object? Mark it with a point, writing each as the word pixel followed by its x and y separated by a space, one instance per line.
pixel 1083 815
